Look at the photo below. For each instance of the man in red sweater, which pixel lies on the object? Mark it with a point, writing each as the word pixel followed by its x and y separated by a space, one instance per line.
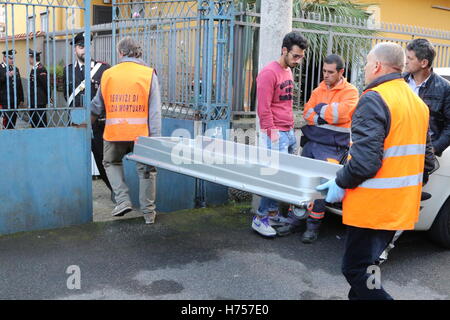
pixel 275 86
pixel 326 135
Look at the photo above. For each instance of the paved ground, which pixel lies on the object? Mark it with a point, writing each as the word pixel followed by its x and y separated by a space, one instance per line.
pixel 201 254
pixel 102 204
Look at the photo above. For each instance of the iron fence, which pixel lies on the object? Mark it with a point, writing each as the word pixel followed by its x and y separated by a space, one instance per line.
pixel 25 105
pixel 187 42
pixel 352 46
pixel 204 53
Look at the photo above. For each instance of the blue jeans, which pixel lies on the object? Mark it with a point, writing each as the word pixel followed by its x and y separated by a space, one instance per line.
pixel 362 249
pixel 286 144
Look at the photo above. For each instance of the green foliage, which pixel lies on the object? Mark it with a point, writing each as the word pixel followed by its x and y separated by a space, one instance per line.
pixel 344 17
pixel 57 69
pixel 327 8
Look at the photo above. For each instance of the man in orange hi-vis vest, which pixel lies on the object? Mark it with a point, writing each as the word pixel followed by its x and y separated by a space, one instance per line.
pixel 381 183
pixel 129 93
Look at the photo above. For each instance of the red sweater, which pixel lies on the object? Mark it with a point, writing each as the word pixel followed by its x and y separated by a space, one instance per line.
pixel 275 88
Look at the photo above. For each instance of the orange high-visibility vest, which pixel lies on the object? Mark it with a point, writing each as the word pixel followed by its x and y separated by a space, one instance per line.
pixel 391 199
pixel 125 90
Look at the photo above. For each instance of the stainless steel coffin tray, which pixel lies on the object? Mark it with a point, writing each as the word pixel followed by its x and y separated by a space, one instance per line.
pixel 283 177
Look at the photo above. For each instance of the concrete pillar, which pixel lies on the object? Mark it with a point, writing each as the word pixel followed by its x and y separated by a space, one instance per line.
pixel 276 21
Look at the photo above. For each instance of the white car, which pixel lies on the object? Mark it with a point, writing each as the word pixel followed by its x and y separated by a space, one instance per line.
pixel 435 212
pixel 443 72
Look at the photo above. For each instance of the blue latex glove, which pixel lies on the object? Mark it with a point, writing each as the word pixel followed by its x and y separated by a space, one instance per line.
pixel 335 193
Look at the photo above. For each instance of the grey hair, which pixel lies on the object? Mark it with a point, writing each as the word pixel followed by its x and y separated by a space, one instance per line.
pixel 390 54
pixel 129 47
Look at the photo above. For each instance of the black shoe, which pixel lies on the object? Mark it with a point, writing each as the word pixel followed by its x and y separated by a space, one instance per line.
pixel 310 235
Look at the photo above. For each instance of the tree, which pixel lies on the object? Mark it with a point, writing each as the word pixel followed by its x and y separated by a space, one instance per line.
pixel 340 17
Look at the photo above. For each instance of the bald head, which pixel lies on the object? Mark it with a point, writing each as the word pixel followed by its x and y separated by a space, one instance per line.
pixel 390 54
pixel 384 58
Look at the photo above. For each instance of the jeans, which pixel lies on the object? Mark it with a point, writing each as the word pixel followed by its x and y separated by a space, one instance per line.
pixel 285 144
pixel 362 249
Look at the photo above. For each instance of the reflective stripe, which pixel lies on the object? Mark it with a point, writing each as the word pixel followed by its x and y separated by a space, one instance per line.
pixel 316 118
pixel 308 113
pixel 392 183
pixel 323 110
pixel 405 150
pixel 127 120
pixel 335 111
pixel 334 128
pixel 316 215
pixel 335 106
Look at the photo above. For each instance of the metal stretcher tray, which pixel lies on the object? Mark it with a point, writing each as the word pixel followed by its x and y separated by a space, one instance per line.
pixel 280 176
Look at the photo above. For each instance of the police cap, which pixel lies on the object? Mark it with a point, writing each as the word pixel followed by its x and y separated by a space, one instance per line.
pixel 10 53
pixel 79 39
pixel 31 53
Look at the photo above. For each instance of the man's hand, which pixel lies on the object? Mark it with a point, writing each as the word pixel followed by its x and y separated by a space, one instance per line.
pixel 335 193
pixel 274 135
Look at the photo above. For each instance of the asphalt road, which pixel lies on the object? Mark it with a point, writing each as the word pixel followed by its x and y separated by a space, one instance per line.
pixel 203 254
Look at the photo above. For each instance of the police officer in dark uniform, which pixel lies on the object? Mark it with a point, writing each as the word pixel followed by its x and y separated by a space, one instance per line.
pixel 38 85
pixel 9 74
pixel 74 93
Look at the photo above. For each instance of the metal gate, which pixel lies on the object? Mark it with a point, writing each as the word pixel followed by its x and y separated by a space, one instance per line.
pixel 190 45
pixel 352 38
pixel 45 178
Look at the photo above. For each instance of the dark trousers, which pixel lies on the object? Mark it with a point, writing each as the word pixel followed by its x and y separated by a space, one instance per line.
pixel 38 118
pixel 97 149
pixel 362 249
pixel 318 151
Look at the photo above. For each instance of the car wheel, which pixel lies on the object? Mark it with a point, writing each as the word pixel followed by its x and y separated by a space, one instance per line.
pixel 440 230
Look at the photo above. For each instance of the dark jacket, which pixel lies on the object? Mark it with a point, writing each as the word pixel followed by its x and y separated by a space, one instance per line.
pixel 3 87
pixel 436 94
pixel 370 127
pixel 69 85
pixel 41 86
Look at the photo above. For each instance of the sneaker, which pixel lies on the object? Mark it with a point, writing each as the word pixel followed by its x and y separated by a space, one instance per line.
pixel 150 218
pixel 122 209
pixel 279 220
pixel 262 226
pixel 310 235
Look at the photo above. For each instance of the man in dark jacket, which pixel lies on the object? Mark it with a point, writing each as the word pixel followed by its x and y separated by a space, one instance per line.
pixel 38 90
pixel 10 81
pixel 432 88
pixel 383 178
pixel 74 92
